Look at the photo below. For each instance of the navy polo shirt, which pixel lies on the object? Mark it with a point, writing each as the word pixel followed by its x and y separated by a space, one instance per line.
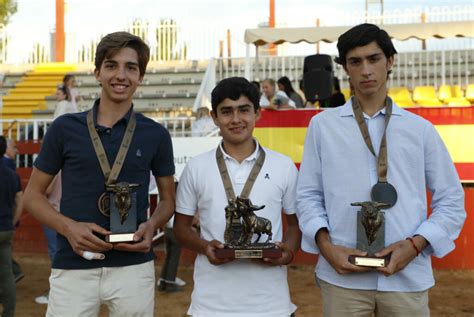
pixel 67 146
pixel 10 185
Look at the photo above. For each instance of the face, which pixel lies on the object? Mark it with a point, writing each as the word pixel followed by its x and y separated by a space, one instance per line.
pixel 281 87
pixel 268 90
pixel 71 82
pixel 236 120
pixel 60 96
pixel 119 76
pixel 12 150
pixel 367 68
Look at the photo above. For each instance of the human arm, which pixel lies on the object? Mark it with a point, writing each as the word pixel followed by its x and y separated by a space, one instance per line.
pixel 80 235
pixel 164 210
pixel 18 207
pixel 188 237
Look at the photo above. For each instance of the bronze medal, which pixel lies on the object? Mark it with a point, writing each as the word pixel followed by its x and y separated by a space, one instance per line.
pixel 385 193
pixel 103 203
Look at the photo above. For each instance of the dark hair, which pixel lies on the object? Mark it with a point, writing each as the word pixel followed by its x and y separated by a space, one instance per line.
pixel 65 91
pixel 361 35
pixel 336 85
pixel 233 88
pixel 287 87
pixel 256 84
pixel 113 42
pixel 3 145
pixel 66 78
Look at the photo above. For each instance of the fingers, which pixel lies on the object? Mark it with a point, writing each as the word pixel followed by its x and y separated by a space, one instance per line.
pixel 96 228
pixel 92 255
pixel 211 253
pixel 142 240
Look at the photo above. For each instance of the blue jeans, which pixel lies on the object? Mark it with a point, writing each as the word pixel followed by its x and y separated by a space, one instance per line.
pixel 50 235
pixel 7 281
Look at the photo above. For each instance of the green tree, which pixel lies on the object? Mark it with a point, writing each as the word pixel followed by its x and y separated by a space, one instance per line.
pixel 7 9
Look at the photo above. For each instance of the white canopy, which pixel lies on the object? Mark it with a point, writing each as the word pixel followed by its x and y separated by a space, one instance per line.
pixel 421 31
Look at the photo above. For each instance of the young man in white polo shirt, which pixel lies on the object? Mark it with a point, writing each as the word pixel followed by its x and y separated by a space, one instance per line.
pixel 242 287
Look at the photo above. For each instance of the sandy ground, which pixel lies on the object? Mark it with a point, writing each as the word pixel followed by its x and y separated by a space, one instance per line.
pixel 453 294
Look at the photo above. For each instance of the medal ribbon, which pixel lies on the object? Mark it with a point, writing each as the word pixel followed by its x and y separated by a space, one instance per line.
pixel 229 190
pixel 111 176
pixel 382 159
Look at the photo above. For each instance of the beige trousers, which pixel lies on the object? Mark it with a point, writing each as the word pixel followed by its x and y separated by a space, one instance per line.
pixel 342 302
pixel 127 291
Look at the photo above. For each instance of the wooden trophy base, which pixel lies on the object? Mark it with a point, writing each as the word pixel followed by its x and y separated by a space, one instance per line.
pixel 119 237
pixel 257 253
pixel 368 261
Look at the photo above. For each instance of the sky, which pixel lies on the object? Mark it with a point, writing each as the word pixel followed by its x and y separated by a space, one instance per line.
pixel 35 19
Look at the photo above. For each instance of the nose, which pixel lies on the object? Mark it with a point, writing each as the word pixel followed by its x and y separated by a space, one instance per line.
pixel 120 73
pixel 235 116
pixel 366 68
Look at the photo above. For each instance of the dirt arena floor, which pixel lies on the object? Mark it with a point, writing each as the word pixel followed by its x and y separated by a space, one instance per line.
pixel 452 296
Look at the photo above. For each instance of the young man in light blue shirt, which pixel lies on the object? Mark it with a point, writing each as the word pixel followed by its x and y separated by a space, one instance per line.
pixel 338 168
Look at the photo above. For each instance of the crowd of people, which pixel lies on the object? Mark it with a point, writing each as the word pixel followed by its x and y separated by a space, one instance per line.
pixel 345 159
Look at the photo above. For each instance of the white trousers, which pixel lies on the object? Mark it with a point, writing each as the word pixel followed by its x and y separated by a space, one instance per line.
pixel 127 291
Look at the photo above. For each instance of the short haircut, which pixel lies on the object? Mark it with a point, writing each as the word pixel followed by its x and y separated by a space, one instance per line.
pixel 113 42
pixel 233 88
pixel 3 145
pixel 361 35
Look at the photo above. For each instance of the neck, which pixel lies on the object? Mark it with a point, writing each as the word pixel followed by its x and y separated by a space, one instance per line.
pixel 109 113
pixel 370 104
pixel 239 151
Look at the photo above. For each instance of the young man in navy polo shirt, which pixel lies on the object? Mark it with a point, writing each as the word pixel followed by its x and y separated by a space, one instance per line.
pixel 87 271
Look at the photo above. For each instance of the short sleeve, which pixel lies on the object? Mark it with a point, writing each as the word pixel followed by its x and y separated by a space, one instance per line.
pixel 50 158
pixel 163 161
pixel 186 196
pixel 289 197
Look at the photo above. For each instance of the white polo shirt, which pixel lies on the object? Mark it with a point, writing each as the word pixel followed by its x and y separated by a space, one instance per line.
pixel 241 287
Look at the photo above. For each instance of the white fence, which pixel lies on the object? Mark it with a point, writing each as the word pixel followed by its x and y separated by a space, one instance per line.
pixel 411 69
pixel 173 40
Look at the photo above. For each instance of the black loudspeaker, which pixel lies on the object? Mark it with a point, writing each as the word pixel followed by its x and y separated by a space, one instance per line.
pixel 317 77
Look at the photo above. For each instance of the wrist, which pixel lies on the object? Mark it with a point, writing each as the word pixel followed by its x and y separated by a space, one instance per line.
pixel 292 256
pixel 415 247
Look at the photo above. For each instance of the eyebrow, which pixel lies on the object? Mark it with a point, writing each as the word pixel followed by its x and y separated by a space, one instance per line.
pixel 232 107
pixel 357 58
pixel 112 61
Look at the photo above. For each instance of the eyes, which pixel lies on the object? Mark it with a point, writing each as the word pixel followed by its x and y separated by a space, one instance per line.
pixel 229 111
pixel 113 66
pixel 358 61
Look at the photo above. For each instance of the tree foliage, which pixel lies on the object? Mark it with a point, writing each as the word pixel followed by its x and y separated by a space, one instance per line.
pixel 7 9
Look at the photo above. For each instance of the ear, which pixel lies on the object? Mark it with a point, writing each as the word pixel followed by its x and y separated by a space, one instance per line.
pixel 258 114
pixel 97 75
pixel 214 117
pixel 390 62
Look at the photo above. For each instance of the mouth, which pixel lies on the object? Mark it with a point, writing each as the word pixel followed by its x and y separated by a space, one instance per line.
pixel 119 87
pixel 236 129
pixel 368 82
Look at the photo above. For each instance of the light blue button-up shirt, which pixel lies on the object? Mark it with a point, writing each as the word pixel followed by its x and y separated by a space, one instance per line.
pixel 338 168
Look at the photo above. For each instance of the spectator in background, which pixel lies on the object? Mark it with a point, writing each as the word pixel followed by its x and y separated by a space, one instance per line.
pixel 64 105
pixel 69 81
pixel 284 84
pixel 203 125
pixel 337 98
pixel 8 160
pixel 10 210
pixel 168 281
pixel 257 85
pixel 273 99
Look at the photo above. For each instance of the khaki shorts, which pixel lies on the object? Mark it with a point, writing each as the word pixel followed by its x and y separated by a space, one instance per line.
pixel 127 291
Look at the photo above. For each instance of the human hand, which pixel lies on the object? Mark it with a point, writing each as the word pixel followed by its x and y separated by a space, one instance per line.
pixel 285 259
pixel 142 239
pixel 338 258
pixel 210 252
pixel 82 239
pixel 402 254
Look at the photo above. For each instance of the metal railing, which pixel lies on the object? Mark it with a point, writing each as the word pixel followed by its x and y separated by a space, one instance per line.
pixel 411 69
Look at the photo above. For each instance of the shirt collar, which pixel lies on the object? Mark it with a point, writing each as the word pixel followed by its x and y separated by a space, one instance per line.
pixel 251 157
pixel 124 119
pixel 347 111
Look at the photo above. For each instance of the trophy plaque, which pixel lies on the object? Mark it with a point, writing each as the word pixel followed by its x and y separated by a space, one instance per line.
pixel 123 212
pixel 370 234
pixel 241 225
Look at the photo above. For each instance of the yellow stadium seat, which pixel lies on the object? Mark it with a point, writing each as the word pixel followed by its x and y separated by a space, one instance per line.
pixel 346 92
pixel 458 102
pixel 470 93
pixel 424 93
pixel 445 92
pixel 429 103
pixel 401 96
pixel 457 91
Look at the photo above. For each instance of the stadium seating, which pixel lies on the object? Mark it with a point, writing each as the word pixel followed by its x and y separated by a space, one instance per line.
pixel 401 96
pixel 425 96
pixel 470 92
